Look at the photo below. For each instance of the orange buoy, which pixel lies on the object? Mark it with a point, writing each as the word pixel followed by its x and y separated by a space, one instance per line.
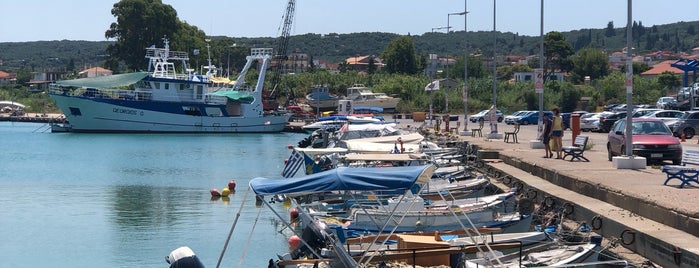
pixel 294 242
pixel 293 214
pixel 231 185
pixel 214 192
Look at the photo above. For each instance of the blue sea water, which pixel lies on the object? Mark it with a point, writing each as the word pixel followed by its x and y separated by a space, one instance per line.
pixel 127 200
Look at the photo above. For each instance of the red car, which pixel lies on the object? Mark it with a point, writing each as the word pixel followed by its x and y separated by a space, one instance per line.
pixel 651 139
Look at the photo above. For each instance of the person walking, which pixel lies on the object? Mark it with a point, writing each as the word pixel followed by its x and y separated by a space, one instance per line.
pixel 557 131
pixel 546 136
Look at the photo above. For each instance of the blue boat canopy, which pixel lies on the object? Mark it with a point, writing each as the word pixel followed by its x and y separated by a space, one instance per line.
pixel 346 179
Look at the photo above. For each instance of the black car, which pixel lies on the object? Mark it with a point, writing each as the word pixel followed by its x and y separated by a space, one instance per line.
pixel 606 121
pixel 687 124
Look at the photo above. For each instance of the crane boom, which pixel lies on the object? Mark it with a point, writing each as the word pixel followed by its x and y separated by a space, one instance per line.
pixel 282 45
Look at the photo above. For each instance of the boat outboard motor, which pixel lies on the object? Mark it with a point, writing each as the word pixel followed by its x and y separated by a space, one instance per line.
pixel 183 257
pixel 315 237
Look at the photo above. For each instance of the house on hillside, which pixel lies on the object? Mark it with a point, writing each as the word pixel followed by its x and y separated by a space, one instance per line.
pixel 296 62
pixel 661 67
pixel 94 72
pixel 7 78
pixel 41 80
pixel 361 63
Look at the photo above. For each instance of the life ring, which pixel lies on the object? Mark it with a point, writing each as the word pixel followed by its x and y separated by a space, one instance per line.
pixel 568 208
pixel 531 193
pixel 623 237
pixel 596 222
pixel 549 201
pixel 506 180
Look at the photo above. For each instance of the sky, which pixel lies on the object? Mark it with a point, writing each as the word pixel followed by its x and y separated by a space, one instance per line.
pixel 35 20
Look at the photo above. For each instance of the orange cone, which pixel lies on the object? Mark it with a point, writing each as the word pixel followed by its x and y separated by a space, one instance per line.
pixel 682 137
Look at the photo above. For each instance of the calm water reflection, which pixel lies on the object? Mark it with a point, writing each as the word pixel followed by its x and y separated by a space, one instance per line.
pixel 84 200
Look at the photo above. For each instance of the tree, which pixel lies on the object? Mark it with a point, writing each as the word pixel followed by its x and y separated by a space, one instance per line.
pixel 669 80
pixel 556 53
pixel 589 62
pixel 140 24
pixel 609 31
pixel 400 57
pixel 371 67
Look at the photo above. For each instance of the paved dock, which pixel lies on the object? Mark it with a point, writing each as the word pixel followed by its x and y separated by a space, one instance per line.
pixel 659 222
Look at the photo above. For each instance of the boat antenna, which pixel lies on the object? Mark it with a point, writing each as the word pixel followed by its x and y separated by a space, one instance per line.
pixel 208 52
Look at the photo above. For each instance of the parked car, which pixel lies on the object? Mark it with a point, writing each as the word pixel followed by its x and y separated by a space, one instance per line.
pixel 666 115
pixel 511 119
pixel 644 111
pixel 666 103
pixel 589 122
pixel 481 116
pixel 566 118
pixel 687 124
pixel 650 137
pixel 532 118
pixel 606 121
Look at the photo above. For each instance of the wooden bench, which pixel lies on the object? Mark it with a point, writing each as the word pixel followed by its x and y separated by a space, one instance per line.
pixel 512 134
pixel 684 173
pixel 576 151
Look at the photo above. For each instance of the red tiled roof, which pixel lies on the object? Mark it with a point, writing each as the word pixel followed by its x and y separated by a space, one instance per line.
pixel 661 67
pixel 96 70
pixel 4 75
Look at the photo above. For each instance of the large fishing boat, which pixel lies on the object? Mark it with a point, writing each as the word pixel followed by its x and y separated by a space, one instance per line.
pixel 166 100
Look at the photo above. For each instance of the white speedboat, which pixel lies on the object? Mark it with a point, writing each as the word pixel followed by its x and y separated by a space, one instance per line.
pixel 165 101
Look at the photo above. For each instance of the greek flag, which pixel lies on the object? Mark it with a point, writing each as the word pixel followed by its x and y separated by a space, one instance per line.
pixel 293 164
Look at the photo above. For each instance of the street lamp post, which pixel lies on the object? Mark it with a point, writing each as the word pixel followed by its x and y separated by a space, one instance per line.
pixel 446 67
pixel 493 125
pixel 464 90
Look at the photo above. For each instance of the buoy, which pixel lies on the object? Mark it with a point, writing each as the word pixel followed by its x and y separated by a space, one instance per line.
pixel 294 242
pixel 293 214
pixel 286 161
pixel 290 146
pixel 231 185
pixel 225 192
pixel 214 192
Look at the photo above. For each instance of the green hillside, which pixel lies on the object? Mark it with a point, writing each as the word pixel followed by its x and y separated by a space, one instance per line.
pixel 74 55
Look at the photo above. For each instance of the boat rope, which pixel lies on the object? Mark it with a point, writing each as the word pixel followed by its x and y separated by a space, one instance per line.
pixel 230 233
pixel 475 230
pixel 247 243
pixel 308 220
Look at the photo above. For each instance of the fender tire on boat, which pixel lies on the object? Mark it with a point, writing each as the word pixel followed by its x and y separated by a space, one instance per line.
pixel 526 206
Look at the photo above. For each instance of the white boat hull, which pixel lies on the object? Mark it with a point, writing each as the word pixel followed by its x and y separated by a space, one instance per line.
pixel 95 116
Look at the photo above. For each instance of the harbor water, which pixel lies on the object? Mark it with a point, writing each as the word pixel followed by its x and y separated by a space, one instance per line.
pixel 127 200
